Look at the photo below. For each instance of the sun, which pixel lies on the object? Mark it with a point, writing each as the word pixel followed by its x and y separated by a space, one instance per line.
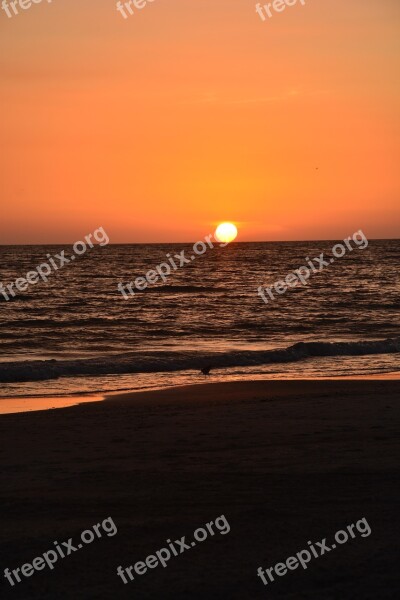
pixel 226 232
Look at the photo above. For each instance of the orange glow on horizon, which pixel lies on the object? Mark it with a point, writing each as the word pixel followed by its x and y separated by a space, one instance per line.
pixel 155 126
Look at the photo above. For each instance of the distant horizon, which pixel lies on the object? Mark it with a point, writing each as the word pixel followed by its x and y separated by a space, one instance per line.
pixel 388 239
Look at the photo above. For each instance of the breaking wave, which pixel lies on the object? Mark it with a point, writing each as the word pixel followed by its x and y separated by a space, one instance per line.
pixel 166 361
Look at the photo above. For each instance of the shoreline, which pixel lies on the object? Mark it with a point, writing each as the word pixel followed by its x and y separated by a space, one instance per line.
pixel 27 404
pixel 14 406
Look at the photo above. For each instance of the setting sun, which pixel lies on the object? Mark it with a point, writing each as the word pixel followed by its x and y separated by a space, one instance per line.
pixel 226 232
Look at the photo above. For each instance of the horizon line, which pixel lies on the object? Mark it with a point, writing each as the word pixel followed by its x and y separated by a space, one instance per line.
pixel 191 242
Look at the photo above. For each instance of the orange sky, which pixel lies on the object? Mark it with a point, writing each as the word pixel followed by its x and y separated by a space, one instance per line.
pixel 193 112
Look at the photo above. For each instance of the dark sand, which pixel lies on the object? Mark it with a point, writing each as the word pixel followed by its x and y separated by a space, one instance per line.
pixel 285 462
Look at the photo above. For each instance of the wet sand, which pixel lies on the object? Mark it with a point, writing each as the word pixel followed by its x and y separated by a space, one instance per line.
pixel 9 406
pixel 285 462
pixel 30 404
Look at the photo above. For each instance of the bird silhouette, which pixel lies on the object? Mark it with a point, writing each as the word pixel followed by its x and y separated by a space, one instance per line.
pixel 206 370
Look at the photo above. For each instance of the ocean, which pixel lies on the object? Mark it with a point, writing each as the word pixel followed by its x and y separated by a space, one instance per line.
pixel 77 334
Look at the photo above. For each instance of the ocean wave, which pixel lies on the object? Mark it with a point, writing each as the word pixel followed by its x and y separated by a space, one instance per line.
pixel 180 289
pixel 54 324
pixel 166 361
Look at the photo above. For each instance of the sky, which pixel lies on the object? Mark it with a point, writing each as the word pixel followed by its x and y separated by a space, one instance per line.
pixel 192 112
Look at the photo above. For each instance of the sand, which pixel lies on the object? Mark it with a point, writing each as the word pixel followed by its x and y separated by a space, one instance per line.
pixel 285 462
pixel 21 405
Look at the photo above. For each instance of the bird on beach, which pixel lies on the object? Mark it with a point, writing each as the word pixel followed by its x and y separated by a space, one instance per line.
pixel 206 370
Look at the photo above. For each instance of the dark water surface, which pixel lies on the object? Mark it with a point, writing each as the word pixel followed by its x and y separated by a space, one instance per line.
pixel 207 312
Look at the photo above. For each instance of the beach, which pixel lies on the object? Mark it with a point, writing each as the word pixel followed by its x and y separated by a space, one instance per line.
pixel 284 461
pixel 199 301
